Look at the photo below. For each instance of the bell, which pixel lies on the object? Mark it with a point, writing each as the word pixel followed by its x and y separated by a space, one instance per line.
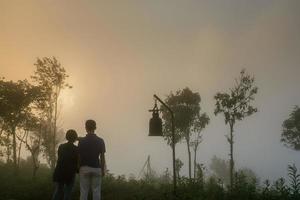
pixel 155 124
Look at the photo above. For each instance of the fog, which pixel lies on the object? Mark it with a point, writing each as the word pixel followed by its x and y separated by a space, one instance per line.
pixel 118 54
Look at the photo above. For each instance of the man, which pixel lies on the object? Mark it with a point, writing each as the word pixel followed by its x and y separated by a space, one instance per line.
pixel 90 148
pixel 66 167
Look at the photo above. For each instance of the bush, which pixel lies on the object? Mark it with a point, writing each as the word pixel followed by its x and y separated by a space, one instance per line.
pixel 23 187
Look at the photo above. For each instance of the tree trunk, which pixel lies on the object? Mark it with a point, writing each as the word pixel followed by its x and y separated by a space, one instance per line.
pixel 8 150
pixel 20 148
pixel 195 160
pixel 14 150
pixel 35 168
pixel 1 131
pixel 35 155
pixel 177 174
pixel 50 149
pixel 231 156
pixel 35 164
pixel 54 128
pixel 189 156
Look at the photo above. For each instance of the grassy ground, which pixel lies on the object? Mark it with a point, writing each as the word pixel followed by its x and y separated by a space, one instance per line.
pixel 23 187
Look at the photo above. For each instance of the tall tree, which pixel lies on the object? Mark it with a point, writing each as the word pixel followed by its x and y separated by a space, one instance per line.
pixel 51 77
pixel 236 105
pixel 291 130
pixel 186 106
pixel 15 103
pixel 200 124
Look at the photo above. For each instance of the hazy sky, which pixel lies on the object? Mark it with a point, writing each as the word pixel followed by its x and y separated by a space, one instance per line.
pixel 119 53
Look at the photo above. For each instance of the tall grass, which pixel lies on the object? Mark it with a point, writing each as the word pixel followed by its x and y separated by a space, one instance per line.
pixel 23 187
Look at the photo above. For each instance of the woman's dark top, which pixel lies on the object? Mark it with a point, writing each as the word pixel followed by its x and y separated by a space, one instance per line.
pixel 67 163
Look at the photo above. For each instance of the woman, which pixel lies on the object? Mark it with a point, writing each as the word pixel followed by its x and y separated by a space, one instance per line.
pixel 66 167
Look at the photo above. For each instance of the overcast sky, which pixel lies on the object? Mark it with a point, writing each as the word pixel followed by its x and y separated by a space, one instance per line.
pixel 119 53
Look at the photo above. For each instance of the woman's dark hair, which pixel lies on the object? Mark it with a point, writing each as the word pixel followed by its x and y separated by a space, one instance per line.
pixel 90 125
pixel 71 135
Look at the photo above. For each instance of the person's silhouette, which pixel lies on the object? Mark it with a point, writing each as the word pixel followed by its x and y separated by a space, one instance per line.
pixel 66 167
pixel 91 147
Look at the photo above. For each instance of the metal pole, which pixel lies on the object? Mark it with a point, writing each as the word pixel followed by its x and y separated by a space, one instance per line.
pixel 173 142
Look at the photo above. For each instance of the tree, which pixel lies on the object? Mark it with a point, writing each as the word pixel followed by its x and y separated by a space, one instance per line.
pixel 250 175
pixel 200 124
pixel 178 166
pixel 51 77
pixel 291 130
pixel 186 106
pixel 5 141
pixel 200 173
pixel 16 99
pixel 236 105
pixel 32 138
pixel 220 169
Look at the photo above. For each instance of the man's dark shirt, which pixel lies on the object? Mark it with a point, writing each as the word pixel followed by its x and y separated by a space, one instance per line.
pixel 90 147
pixel 67 163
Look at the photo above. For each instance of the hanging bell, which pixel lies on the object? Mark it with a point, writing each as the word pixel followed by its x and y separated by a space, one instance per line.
pixel 155 123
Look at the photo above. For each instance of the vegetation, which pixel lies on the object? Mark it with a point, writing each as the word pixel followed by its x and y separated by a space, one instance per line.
pixel 291 130
pixel 236 105
pixel 28 117
pixel 16 106
pixel 50 76
pixel 188 121
pixel 22 187
pixel 29 113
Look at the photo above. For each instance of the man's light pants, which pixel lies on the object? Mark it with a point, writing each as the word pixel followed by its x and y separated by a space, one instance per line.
pixel 90 178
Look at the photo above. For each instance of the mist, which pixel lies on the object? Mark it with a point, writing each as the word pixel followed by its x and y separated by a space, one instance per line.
pixel 119 54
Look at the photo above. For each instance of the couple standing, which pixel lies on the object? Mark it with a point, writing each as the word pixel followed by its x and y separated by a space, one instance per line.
pixel 86 156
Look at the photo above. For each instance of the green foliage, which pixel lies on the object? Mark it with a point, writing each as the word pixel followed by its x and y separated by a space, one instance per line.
pixel 214 189
pixel 280 189
pixel 294 180
pixel 236 104
pixel 51 77
pixel 28 113
pixel 23 187
pixel 185 105
pixel 244 187
pixel 220 169
pixel 200 173
pixel 16 104
pixel 16 99
pixel 291 130
pixel 178 166
pixel 50 74
pixel 201 122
